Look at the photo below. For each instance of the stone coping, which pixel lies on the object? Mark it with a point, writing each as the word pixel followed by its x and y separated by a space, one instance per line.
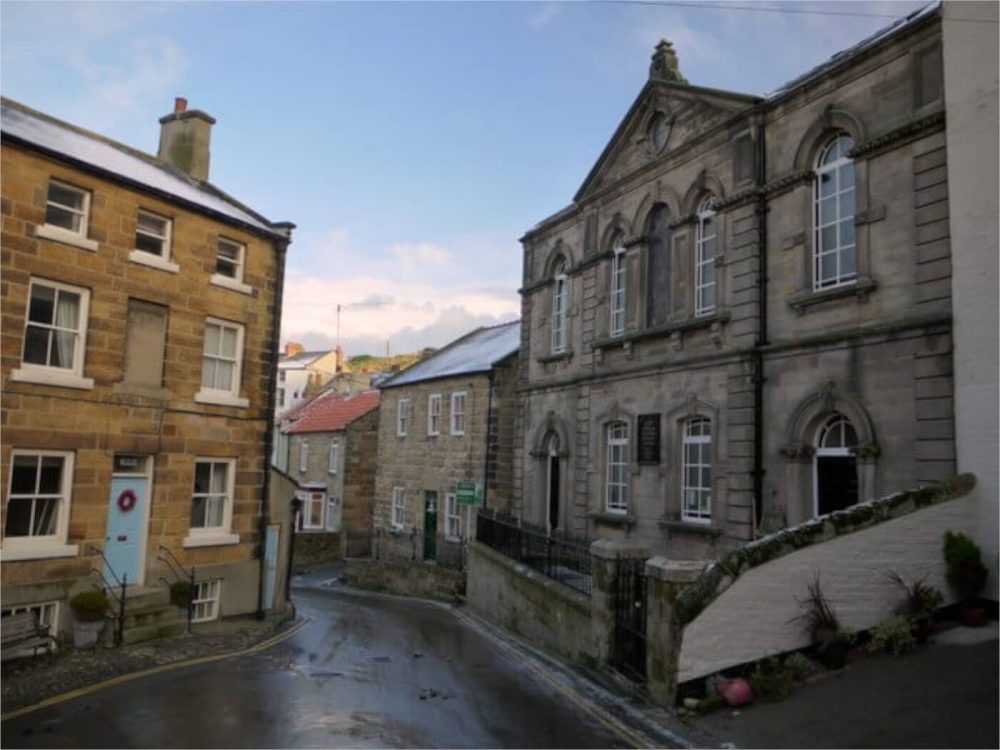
pixel 722 573
pixel 573 598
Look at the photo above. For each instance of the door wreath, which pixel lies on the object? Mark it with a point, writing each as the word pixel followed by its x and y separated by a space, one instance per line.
pixel 126 500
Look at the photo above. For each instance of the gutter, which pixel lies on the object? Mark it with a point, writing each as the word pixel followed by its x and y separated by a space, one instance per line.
pixel 280 250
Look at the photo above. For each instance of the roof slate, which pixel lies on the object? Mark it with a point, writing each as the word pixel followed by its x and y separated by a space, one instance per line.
pixel 331 412
pixel 50 134
pixel 475 352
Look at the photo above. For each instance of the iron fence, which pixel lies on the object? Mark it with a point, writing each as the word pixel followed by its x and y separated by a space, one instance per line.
pixel 561 559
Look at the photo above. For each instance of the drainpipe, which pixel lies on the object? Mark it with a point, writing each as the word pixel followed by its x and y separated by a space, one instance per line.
pixel 489 421
pixel 758 370
pixel 280 250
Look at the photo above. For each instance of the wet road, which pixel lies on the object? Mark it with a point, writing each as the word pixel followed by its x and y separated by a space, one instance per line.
pixel 368 671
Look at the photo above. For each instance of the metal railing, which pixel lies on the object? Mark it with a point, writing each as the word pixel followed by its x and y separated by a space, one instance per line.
pixel 180 574
pixel 109 589
pixel 561 559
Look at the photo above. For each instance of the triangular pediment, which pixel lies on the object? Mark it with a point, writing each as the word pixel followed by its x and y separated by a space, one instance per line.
pixel 664 117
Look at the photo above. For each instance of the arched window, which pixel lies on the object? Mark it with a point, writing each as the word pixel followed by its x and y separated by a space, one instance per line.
pixel 836 465
pixel 552 483
pixel 560 301
pixel 616 473
pixel 696 488
pixel 616 325
pixel 835 257
pixel 658 266
pixel 704 281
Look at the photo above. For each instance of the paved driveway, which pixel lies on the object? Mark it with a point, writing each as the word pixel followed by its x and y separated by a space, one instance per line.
pixel 369 671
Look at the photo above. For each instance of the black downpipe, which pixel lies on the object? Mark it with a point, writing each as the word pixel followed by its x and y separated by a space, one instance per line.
pixel 758 365
pixel 280 249
pixel 489 439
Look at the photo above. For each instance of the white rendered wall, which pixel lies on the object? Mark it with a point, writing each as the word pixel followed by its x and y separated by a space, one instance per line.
pixel 753 618
pixel 970 51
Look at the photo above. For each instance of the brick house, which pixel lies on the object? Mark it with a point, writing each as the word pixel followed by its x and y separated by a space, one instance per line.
pixel 743 319
pixel 333 446
pixel 445 445
pixel 140 326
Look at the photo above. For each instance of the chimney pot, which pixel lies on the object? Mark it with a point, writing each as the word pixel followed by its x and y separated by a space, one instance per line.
pixel 180 104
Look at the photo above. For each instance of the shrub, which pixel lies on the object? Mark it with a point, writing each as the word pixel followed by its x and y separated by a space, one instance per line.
pixel 921 600
pixel 771 681
pixel 892 636
pixel 89 606
pixel 966 572
pixel 820 619
pixel 800 666
pixel 180 593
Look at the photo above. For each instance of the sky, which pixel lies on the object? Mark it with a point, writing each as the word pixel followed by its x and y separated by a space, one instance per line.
pixel 412 143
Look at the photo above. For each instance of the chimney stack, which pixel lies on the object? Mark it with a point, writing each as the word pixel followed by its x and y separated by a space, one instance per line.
pixel 291 349
pixel 184 139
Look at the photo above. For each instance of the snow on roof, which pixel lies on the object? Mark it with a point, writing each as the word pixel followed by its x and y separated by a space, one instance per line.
pixel 298 360
pixel 91 149
pixel 331 412
pixel 475 352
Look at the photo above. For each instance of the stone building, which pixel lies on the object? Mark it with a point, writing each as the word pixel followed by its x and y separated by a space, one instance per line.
pixel 333 447
pixel 743 319
pixel 446 441
pixel 140 329
pixel 301 374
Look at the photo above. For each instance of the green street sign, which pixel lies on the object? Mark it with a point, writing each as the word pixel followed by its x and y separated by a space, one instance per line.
pixel 469 493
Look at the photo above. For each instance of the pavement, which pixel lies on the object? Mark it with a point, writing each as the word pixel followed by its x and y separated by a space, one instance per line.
pixel 943 695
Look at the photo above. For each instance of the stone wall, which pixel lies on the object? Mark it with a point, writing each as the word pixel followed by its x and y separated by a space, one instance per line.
pixel 426 581
pixel 119 415
pixel 316 548
pixel 743 608
pixel 360 465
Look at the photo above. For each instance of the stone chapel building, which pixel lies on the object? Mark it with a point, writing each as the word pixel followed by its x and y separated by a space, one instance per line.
pixel 743 319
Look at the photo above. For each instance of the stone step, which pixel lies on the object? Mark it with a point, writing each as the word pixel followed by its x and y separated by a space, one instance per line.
pixel 152 616
pixel 152 632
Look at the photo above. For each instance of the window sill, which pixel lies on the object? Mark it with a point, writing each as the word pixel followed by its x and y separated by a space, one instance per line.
pixel 690 527
pixel 612 519
pixel 804 300
pixel 153 261
pixel 232 284
pixel 221 399
pixel 396 530
pixel 458 434
pixel 210 540
pixel 41 552
pixel 58 234
pixel 558 357
pixel 51 376
pixel 611 342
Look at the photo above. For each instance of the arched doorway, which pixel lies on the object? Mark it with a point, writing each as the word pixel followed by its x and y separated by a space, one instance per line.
pixel 552 484
pixel 835 465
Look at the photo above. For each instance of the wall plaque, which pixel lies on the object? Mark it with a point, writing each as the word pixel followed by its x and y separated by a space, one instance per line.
pixel 649 439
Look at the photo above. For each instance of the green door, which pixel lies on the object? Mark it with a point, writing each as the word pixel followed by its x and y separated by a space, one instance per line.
pixel 430 524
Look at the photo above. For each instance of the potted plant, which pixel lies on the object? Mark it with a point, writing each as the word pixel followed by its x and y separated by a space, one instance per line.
pixel 922 601
pixel 967 576
pixel 180 594
pixel 820 620
pixel 89 610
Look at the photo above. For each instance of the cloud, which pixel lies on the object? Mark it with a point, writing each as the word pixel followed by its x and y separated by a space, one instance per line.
pixel 544 15
pixel 375 300
pixel 420 253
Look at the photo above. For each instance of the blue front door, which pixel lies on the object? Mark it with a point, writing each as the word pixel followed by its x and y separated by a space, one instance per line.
pixel 271 564
pixel 126 537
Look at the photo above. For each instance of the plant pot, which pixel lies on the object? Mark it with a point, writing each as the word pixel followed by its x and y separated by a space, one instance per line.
pixel 832 654
pixel 921 629
pixel 86 634
pixel 973 615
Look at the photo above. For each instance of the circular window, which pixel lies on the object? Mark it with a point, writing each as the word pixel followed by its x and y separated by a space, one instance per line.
pixel 659 131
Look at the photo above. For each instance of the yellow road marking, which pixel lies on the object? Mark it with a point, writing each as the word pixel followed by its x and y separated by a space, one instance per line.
pixel 587 706
pixel 56 699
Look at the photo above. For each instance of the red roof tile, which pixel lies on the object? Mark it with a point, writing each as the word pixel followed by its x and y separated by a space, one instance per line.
pixel 331 412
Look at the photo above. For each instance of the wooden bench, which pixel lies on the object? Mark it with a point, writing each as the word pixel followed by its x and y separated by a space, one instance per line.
pixel 22 631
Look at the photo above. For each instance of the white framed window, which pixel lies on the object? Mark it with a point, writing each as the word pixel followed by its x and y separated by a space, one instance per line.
pixel 398 507
pixel 47 614
pixel 303 456
pixel 55 335
pixel 616 472
pixel 334 455
pixel 331 513
pixel 453 517
pixel 617 320
pixel 313 505
pixel 152 241
pixel 696 489
pixel 222 358
pixel 205 601
pixel 402 417
pixel 67 215
pixel 835 257
pixel 835 466
pixel 281 397
pixel 212 502
pixel 38 505
pixel 560 301
pixel 434 414
pixel 230 264
pixel 707 249
pixel 458 413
